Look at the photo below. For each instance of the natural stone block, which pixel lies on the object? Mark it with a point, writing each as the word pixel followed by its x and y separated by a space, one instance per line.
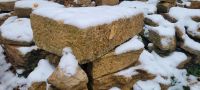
pixel 76 82
pixel 87 44
pixel 107 2
pixel 111 63
pixel 7 6
pixel 157 39
pixel 113 80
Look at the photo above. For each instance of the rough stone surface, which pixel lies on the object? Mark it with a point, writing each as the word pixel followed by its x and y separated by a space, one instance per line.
pixel 149 22
pixel 111 63
pixel 87 45
pixel 38 86
pixel 22 12
pixel 30 60
pixel 195 5
pixel 76 82
pixel 112 80
pixel 11 42
pixel 107 2
pixel 155 38
pixel 163 7
pixel 196 18
pixel 169 18
pixel 78 3
pixel 7 6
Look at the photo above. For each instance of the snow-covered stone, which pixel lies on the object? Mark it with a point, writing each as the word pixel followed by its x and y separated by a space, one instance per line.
pixel 145 7
pixel 162 36
pixel 41 72
pixel 102 28
pixel 7 5
pixel 16 30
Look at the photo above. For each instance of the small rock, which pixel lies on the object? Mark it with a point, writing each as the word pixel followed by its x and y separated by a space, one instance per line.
pixel 76 82
pixel 111 63
pixel 7 6
pixel 107 2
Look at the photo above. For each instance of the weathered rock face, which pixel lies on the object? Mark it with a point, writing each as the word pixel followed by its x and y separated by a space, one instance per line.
pixel 38 86
pixel 164 5
pixel 169 18
pixel 77 3
pixel 107 2
pixel 76 82
pixel 27 61
pixel 7 6
pixel 111 63
pixel 22 12
pixel 113 80
pixel 157 40
pixel 86 44
pixel 11 42
pixel 195 5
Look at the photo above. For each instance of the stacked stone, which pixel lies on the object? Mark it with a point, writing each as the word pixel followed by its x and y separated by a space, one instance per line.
pixel 94 49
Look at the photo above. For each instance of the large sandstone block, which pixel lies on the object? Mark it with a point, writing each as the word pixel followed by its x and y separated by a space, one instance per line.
pixel 7 5
pixel 76 82
pixel 88 40
pixel 111 63
pixel 107 2
pixel 114 80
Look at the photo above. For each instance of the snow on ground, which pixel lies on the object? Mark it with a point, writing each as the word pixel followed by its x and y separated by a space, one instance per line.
pixel 4 14
pixel 25 50
pixel 146 85
pixel 132 45
pixel 166 72
pixel 41 72
pixel 68 63
pixel 114 88
pixel 34 4
pixel 17 29
pixel 145 7
pixel 86 17
pixel 8 80
pixel 183 16
pixel 165 28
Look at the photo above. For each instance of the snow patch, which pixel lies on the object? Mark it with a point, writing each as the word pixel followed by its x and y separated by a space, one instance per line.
pixel 41 72
pixel 68 63
pixel 17 29
pixel 34 4
pixel 114 88
pixel 25 50
pixel 86 17
pixel 145 7
pixel 132 45
pixel 146 85
pixel 8 80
